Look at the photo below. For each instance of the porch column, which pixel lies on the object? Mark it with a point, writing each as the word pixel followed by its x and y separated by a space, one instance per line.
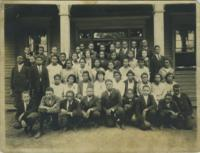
pixel 159 26
pixel 64 12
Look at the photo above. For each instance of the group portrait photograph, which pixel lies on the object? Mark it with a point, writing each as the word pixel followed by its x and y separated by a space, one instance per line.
pixel 99 76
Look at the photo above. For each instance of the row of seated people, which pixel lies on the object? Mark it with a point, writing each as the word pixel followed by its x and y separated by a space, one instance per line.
pixel 173 111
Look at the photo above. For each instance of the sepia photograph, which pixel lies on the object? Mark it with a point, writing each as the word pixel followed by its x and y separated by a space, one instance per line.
pixel 99 76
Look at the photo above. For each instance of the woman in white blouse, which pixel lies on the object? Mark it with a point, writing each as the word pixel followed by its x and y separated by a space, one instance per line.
pixel 71 85
pixel 99 84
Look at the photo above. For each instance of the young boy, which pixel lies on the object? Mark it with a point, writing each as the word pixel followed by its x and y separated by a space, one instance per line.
pixel 146 109
pixel 144 82
pixel 118 84
pixel 184 109
pixel 130 82
pixel 83 68
pixel 49 107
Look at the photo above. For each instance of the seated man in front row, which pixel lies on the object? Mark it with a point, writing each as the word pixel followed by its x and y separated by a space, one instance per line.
pixel 111 101
pixel 91 107
pixel 29 115
pixel 49 108
pixel 70 112
pixel 146 109
pixel 184 109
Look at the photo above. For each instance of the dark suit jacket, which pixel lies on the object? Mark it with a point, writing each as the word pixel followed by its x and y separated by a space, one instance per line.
pixel 20 81
pixel 134 88
pixel 94 102
pixel 122 55
pixel 162 106
pixel 80 87
pixel 130 102
pixel 111 101
pixel 141 105
pixel 155 65
pixel 30 108
pixel 184 104
pixel 75 106
pixel 36 84
pixel 62 64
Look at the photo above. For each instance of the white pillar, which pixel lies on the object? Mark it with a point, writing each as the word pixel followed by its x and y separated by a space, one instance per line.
pixel 64 12
pixel 159 26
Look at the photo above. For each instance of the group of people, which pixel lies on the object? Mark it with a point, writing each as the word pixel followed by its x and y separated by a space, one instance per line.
pixel 115 86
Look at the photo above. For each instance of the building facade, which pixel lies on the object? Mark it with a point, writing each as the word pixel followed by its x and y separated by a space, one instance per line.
pixel 173 25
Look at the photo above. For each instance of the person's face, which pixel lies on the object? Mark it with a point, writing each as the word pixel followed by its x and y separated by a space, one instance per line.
pixel 26 98
pixel 90 92
pixel 49 94
pixel 100 77
pixel 170 78
pixel 144 53
pixel 97 63
pixel 71 80
pixel 144 43
pixel 133 44
pixel 113 56
pixel 112 47
pixel 69 64
pixel 130 54
pixel 168 99
pixel 57 80
pixel 117 76
pixel 157 50
pixel 102 48
pixel 130 94
pixel 167 64
pixel 41 50
pixel 124 44
pixel 20 60
pixel 27 50
pixel 157 78
pixel 109 85
pixel 54 60
pixel 54 50
pixel 32 59
pixel 39 61
pixel 125 62
pixel 130 76
pixel 176 91
pixel 74 57
pixel 91 46
pixel 146 91
pixel 101 55
pixel 85 77
pixel 82 63
pixel 69 96
pixel 118 45
pixel 141 63
pixel 82 46
pixel 78 50
pixel 144 78
pixel 62 57
pixel 111 66
pixel 87 54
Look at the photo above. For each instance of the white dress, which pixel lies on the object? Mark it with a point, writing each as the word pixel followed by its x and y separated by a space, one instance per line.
pixel 53 70
pixel 99 88
pixel 74 88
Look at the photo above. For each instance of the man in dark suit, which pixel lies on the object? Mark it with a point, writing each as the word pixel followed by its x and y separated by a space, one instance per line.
pixel 124 51
pixel 20 81
pixel 167 114
pixel 156 62
pixel 111 101
pixel 70 112
pixel 130 83
pixel 39 80
pixel 49 108
pixel 62 60
pixel 129 105
pixel 184 109
pixel 28 115
pixel 146 109
pixel 91 107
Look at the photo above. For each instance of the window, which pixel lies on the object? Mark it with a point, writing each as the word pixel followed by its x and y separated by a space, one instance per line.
pixel 185 40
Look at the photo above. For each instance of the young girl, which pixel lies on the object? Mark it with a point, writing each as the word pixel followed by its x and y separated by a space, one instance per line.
pixel 145 57
pixel 110 71
pixel 144 82
pixel 71 85
pixel 99 84
pixel 169 83
pixel 97 67
pixel 88 59
pixel 116 62
pixel 132 60
pixel 166 69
